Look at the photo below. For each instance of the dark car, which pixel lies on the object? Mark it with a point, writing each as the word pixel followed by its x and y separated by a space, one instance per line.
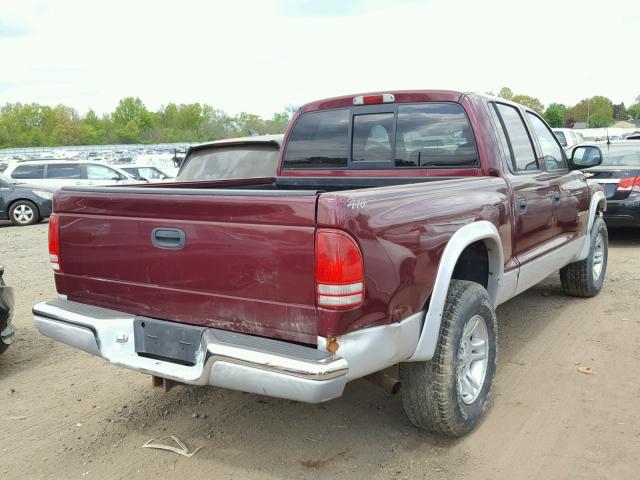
pixel 23 204
pixel 7 332
pixel 619 176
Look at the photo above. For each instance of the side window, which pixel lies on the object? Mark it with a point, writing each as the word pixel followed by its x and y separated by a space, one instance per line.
pixel 551 150
pixel 28 171
pixel 319 140
pixel 372 137
pixel 434 134
pixel 522 153
pixel 64 170
pixel 100 172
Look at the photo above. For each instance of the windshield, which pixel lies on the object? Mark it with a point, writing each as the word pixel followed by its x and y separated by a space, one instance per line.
pixel 233 161
pixel 621 155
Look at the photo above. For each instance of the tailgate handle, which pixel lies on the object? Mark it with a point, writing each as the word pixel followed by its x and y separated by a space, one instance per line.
pixel 168 237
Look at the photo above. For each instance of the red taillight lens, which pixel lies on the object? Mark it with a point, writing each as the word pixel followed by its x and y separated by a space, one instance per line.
pixel 54 243
pixel 339 271
pixel 374 99
pixel 629 184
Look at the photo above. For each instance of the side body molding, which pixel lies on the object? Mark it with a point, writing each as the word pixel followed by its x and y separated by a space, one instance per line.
pixel 470 233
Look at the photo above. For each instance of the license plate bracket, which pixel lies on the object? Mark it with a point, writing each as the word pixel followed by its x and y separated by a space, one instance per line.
pixel 168 341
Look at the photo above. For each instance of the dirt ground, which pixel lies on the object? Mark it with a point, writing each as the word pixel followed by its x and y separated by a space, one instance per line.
pixel 66 414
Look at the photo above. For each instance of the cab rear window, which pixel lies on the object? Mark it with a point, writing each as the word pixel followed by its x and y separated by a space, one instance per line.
pixel 421 135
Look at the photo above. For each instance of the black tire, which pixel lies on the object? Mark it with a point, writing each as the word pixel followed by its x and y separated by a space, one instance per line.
pixel 19 216
pixel 431 396
pixel 578 279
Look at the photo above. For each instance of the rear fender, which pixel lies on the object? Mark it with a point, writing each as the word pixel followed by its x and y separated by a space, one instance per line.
pixel 598 204
pixel 477 231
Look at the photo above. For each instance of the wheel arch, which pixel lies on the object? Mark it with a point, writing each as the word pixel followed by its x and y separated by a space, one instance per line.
pixel 483 232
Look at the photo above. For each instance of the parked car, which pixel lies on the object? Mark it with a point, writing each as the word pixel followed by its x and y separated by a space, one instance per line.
pixel 23 204
pixel 245 157
pixel 619 176
pixel 147 173
pixel 59 173
pixel 7 331
pixel 397 223
pixel 568 138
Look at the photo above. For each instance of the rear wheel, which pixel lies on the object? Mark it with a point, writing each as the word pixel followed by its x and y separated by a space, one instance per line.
pixel 585 278
pixel 450 393
pixel 24 212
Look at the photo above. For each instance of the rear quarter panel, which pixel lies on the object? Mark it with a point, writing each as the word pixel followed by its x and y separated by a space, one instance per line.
pixel 402 232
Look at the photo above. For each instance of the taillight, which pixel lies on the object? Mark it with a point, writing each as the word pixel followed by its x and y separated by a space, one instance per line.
pixel 54 243
pixel 339 271
pixel 629 184
pixel 374 99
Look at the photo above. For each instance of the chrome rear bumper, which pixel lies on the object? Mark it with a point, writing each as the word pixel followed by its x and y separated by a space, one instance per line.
pixel 224 359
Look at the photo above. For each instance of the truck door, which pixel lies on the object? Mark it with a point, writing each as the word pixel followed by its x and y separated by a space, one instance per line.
pixel 533 193
pixel 570 192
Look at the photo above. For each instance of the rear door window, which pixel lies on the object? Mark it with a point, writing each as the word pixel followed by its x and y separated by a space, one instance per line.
pixel 28 171
pixel 64 170
pixel 520 146
pixel 101 172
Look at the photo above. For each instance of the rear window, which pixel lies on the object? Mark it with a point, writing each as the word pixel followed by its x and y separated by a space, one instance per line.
pixel 319 140
pixel 561 138
pixel 28 171
pixel 233 161
pixel 620 155
pixel 434 135
pixel 73 171
pixel 412 135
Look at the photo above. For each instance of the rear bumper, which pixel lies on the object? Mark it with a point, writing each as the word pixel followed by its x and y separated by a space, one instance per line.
pixel 623 213
pixel 235 360
pixel 224 359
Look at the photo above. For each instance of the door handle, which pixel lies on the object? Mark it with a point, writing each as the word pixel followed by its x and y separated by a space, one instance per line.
pixel 173 238
pixel 522 206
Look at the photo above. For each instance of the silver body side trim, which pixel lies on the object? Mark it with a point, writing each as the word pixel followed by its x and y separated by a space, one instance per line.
pixel 598 199
pixel 229 360
pixel 373 349
pixel 472 232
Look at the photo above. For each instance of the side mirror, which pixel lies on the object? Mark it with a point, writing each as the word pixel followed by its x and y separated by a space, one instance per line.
pixel 585 157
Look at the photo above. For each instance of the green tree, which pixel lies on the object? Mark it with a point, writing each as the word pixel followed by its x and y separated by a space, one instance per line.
pixel 131 111
pixel 634 111
pixel 553 115
pixel 531 102
pixel 619 111
pixel 506 93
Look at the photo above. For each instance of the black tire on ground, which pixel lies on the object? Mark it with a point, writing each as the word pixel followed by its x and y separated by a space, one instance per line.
pixel 431 395
pixel 583 278
pixel 24 212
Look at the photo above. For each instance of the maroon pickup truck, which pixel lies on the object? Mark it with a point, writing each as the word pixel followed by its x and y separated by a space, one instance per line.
pixel 397 223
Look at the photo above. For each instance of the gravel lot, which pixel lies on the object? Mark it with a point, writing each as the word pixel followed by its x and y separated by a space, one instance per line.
pixel 65 414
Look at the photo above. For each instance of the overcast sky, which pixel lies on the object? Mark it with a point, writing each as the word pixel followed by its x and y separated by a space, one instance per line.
pixel 258 56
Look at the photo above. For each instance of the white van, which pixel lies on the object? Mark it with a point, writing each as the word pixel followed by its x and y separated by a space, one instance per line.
pixel 59 173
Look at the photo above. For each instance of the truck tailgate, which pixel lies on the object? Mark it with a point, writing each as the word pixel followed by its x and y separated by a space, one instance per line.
pixel 247 263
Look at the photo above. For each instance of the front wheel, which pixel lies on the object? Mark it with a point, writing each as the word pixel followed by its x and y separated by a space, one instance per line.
pixel 450 393
pixel 24 212
pixel 585 278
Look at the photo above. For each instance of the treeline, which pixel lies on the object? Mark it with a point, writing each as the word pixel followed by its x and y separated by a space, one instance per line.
pixel 34 125
pixel 596 112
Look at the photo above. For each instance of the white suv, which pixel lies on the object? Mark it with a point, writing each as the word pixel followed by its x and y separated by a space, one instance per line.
pixel 59 173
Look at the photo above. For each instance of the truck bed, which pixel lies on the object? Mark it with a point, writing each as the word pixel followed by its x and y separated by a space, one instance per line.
pixel 247 264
